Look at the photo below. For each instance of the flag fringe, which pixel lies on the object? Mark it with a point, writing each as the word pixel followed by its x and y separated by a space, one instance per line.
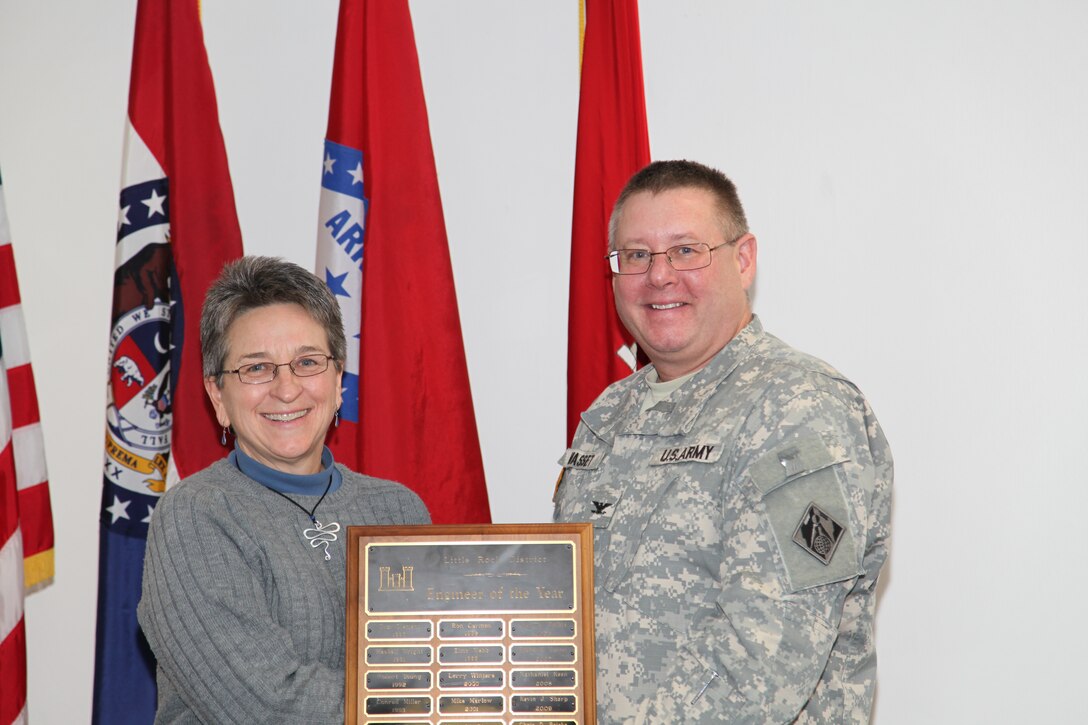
pixel 38 571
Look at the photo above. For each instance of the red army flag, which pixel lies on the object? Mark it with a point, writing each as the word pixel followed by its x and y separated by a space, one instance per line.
pixel 613 143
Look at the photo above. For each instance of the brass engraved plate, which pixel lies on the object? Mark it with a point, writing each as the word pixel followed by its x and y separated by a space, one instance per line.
pixel 470 628
pixel 470 678
pixel 467 704
pixel 396 655
pixel 399 629
pixel 450 654
pixel 542 678
pixel 379 680
pixel 477 577
pixel 544 703
pixel 542 628
pixel 542 653
pixel 398 706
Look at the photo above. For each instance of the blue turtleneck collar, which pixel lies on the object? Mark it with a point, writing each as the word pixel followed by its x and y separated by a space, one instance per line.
pixel 312 484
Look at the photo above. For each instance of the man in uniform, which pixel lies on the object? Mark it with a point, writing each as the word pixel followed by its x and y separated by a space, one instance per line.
pixel 739 489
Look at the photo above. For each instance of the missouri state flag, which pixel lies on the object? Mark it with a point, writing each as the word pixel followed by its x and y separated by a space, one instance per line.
pixel 407 413
pixel 26 519
pixel 613 143
pixel 176 227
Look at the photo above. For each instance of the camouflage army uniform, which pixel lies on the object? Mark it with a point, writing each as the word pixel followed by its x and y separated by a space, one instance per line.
pixel 740 527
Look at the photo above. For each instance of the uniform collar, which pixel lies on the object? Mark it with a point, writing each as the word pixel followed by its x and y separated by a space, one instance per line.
pixel 677 414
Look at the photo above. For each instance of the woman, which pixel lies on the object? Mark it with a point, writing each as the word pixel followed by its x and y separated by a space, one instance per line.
pixel 244 577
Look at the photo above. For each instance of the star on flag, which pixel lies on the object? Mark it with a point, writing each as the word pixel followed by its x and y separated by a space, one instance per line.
pixel 357 173
pixel 119 509
pixel 335 283
pixel 154 204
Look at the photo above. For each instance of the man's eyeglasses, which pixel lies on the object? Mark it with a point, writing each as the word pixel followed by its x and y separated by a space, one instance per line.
pixel 682 257
pixel 264 372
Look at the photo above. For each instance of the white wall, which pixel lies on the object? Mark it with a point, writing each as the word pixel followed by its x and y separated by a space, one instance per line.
pixel 917 173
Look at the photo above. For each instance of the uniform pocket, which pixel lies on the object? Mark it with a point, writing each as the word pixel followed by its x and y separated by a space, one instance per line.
pixel 581 496
pixel 805 505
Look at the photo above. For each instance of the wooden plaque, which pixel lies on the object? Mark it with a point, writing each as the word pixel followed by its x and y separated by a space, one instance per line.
pixel 470 624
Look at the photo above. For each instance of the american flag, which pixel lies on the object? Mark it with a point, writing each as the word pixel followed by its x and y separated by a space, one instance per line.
pixel 26 518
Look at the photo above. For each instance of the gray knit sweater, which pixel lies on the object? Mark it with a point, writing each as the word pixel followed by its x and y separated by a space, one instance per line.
pixel 245 618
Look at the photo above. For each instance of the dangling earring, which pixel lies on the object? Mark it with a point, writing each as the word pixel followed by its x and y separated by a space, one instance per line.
pixel 336 419
pixel 223 437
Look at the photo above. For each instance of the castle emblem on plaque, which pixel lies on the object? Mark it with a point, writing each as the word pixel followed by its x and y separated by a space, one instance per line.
pixel 395 581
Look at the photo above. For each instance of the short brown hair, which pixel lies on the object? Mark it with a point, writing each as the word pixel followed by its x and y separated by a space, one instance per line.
pixel 251 282
pixel 662 176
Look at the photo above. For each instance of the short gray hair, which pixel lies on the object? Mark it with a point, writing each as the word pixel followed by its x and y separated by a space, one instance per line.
pixel 662 176
pixel 251 282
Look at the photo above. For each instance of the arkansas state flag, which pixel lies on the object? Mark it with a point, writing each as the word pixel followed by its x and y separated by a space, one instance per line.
pixel 26 519
pixel 407 413
pixel 613 143
pixel 176 228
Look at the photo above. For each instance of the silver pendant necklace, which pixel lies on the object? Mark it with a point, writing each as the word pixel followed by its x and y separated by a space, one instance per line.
pixel 319 534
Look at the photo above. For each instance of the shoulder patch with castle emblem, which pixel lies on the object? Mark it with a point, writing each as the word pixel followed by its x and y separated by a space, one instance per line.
pixel 818 534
